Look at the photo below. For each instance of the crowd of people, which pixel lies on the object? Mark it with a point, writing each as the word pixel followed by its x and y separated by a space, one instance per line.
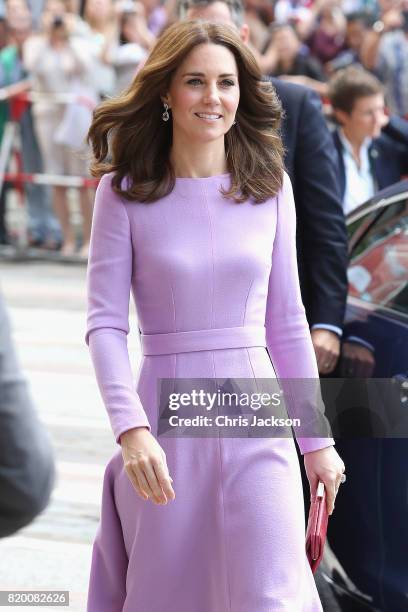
pixel 71 54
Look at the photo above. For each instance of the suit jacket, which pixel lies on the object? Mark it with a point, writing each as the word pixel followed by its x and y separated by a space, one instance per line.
pixel 388 155
pixel 312 164
pixel 27 472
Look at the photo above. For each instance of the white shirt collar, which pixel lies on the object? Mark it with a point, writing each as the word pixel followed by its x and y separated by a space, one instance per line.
pixel 360 185
pixel 347 145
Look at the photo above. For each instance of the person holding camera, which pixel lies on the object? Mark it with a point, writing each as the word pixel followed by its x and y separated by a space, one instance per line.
pixel 60 63
pixel 385 52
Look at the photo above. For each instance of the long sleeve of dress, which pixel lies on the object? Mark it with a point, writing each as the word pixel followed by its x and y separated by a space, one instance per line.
pixel 287 332
pixel 108 283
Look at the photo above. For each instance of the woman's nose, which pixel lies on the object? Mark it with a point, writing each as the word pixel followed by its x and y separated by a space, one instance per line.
pixel 211 94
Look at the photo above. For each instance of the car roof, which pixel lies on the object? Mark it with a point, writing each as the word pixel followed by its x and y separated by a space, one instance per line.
pixel 382 198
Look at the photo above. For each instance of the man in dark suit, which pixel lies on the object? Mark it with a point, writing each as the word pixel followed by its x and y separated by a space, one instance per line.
pixel 322 241
pixel 372 147
pixel 312 166
pixel 27 472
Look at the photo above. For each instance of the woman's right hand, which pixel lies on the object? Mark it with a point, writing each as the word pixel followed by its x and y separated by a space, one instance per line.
pixel 146 466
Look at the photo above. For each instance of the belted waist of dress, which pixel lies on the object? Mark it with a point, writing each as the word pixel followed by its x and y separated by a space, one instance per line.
pixel 203 340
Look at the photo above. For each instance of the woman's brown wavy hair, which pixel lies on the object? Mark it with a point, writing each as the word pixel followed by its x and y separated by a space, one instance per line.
pixel 129 138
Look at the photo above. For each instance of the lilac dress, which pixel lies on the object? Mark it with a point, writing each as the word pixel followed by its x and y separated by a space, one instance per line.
pixel 216 288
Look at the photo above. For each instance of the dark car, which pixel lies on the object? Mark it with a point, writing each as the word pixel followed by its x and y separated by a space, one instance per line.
pixel 365 566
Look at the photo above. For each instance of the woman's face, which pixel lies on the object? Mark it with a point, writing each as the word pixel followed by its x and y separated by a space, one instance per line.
pixel 98 9
pixel 17 8
pixel 204 94
pixel 286 43
pixel 55 8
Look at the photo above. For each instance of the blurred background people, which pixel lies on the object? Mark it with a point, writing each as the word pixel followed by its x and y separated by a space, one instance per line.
pixel 132 46
pixel 100 32
pixel 93 48
pixel 385 52
pixel 16 9
pixel 287 57
pixel 258 20
pixel 292 11
pixel 44 229
pixel 60 63
pixel 3 31
pixel 157 16
pixel 372 147
pixel 328 35
pixel 356 29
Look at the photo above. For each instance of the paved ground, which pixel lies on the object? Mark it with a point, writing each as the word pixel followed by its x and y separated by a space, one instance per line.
pixel 47 307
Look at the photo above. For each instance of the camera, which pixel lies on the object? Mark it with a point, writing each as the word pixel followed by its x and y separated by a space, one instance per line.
pixel 58 22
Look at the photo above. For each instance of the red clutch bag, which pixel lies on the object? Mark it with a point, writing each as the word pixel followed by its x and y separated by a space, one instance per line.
pixel 317 528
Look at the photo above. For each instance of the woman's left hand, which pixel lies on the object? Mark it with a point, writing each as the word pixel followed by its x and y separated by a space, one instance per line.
pixel 326 465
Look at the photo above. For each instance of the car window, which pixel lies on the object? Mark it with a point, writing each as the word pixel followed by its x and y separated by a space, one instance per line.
pixel 378 270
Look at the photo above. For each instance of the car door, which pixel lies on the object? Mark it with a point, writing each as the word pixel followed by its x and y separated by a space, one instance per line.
pixel 369 529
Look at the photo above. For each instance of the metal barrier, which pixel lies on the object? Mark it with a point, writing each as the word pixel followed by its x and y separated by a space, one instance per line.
pixel 19 100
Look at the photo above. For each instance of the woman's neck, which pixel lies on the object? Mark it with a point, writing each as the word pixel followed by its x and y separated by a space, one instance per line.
pixel 200 160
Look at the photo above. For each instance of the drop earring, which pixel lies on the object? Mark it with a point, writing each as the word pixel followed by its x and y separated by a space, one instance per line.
pixel 165 115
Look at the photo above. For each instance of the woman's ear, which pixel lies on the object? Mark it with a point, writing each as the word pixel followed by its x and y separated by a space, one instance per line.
pixel 165 100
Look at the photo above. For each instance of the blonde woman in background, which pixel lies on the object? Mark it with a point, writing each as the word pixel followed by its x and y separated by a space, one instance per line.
pixel 60 64
pixel 101 33
pixel 132 46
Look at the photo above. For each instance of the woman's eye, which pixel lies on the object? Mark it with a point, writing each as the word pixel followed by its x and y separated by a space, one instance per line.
pixel 227 83
pixel 224 83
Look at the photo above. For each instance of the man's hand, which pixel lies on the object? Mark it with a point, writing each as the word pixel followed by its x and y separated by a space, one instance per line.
pixel 357 361
pixel 327 348
pixel 146 466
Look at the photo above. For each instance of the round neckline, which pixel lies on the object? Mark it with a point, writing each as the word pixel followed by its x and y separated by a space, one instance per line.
pixel 203 178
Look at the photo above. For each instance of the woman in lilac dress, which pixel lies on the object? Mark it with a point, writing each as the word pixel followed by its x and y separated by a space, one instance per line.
pixel 195 216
